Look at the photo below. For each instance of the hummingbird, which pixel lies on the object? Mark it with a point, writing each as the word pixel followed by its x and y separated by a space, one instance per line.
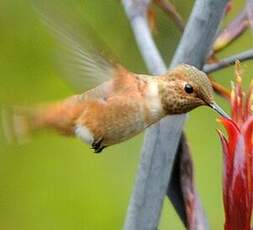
pixel 119 103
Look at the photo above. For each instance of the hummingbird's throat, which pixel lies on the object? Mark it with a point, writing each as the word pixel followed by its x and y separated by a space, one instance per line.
pixel 178 105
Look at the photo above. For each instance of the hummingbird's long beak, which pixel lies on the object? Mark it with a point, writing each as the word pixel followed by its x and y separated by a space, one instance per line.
pixel 219 110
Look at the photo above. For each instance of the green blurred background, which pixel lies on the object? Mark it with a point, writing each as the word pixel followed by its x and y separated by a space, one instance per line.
pixel 53 182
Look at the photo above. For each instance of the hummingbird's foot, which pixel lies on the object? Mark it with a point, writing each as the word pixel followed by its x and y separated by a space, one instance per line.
pixel 97 145
pixel 99 150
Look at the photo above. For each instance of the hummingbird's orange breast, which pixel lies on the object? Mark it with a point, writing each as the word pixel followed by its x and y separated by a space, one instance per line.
pixel 123 115
pixel 110 113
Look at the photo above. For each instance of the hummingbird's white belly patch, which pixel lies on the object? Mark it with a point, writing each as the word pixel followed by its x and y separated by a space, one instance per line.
pixel 84 134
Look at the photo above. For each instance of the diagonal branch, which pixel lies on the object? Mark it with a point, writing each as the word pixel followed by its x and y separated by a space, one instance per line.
pixel 155 65
pixel 244 56
pixel 136 11
pixel 171 11
pixel 183 175
pixel 161 140
pixel 234 30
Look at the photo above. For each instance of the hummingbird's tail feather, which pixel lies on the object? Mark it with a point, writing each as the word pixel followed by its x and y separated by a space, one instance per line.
pixel 17 123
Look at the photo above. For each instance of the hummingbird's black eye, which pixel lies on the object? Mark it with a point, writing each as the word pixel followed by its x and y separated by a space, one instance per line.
pixel 188 88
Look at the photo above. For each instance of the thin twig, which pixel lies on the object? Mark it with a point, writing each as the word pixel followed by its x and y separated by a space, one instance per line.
pixel 232 31
pixel 244 56
pixel 220 90
pixel 171 11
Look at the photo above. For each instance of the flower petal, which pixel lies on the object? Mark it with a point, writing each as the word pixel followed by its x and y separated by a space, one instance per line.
pixel 247 131
pixel 233 132
pixel 249 102
pixel 227 172
pixel 240 206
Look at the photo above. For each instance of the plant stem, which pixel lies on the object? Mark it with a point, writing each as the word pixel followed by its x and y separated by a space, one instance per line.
pixel 244 56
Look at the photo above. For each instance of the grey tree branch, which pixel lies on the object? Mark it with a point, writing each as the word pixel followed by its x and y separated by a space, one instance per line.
pixel 136 11
pixel 244 56
pixel 161 140
pixel 155 64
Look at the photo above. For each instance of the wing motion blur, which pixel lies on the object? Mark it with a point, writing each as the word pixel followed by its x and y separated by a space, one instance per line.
pixel 84 66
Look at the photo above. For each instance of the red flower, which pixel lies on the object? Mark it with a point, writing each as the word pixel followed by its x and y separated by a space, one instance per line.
pixel 238 152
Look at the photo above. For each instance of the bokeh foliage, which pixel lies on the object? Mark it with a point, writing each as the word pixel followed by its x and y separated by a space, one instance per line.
pixel 53 182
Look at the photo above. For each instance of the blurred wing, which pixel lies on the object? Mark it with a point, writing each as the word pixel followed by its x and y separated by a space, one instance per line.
pixel 85 68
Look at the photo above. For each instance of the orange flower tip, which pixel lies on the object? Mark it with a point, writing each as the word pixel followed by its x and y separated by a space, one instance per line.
pixel 223 120
pixel 219 132
pixel 238 79
pixel 232 89
pixel 221 136
pixel 228 123
pixel 232 95
pixel 238 71
pixel 219 119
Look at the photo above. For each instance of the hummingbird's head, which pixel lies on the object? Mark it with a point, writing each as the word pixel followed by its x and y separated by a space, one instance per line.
pixel 185 88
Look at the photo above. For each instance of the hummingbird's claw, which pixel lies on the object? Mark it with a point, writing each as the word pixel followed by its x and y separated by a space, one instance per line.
pixel 99 149
pixel 97 145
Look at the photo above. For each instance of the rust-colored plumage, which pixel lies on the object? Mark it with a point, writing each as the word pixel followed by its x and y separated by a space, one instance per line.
pixel 120 104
